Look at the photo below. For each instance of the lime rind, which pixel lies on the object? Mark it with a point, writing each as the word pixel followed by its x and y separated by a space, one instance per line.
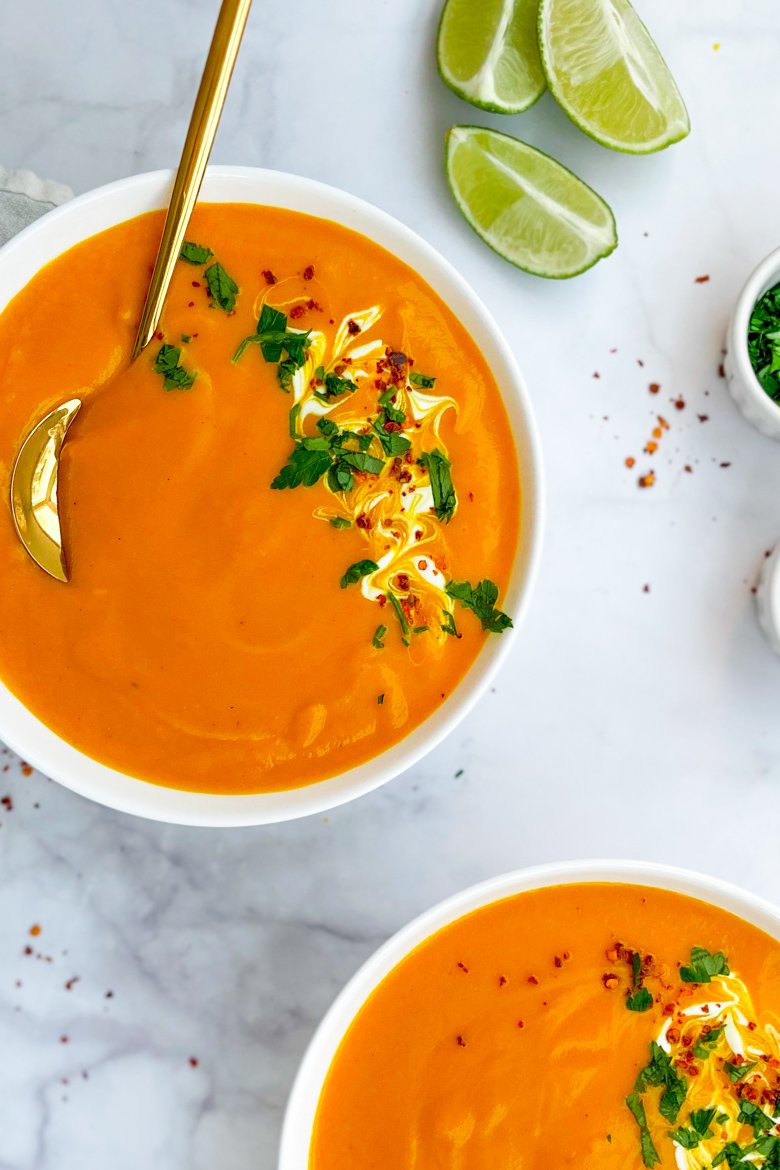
pixel 557 232
pixel 634 82
pixel 488 53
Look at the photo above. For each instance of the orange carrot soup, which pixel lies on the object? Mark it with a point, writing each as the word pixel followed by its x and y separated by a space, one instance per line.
pixel 289 525
pixel 603 1027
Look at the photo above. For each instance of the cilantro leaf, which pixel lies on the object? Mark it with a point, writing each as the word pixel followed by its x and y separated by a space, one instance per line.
pixel 379 634
pixel 438 467
pixel 732 1155
pixel 703 966
pixel 175 377
pixel 482 600
pixel 650 1155
pixel 399 613
pixel 335 387
pixel 640 1001
pixel 704 1045
pixel 393 442
pixel 274 338
pixel 750 1114
pixel 195 253
pixel 661 1071
pixel 222 287
pixel 422 380
pixel 340 522
pixel 701 1120
pixel 355 572
pixel 306 464
pixel 735 1072
pixel 448 625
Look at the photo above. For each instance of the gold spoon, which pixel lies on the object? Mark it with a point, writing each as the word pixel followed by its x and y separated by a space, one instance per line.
pixel 36 470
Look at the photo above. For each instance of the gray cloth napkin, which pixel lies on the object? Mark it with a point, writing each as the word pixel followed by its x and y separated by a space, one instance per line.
pixel 24 197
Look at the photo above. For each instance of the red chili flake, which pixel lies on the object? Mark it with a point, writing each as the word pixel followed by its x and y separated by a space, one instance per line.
pixel 613 350
pixel 268 276
pixel 423 565
pixel 647 481
pixel 35 930
pixel 463 967
pixel 353 327
pixel 403 581
pixel 597 374
pixel 109 995
pixel 7 803
pixel 687 1041
pixel 688 468
pixel 521 1023
pixel 190 304
pixel 725 465
pixel 28 950
pixel 534 980
pixel 701 279
pixel 64 1039
pixel 673 1034
pixel 382 599
pixel 391 426
pixel 461 1042
pixel 651 447
pixel 471 497
pixel 193 1061
pixel 645 588
pixel 566 956
pixel 557 961
pixel 721 370
pixel 363 521
pixel 196 284
pixel 418 534
pixel 640 363
pixel 297 311
pixel 751 1026
pixel 308 272
pixel 502 981
pixel 662 422
pixel 159 334
pixel 654 387
pixel 703 417
pixel 26 770
pixel 630 461
pixel 71 983
pixel 610 981
pixel 679 404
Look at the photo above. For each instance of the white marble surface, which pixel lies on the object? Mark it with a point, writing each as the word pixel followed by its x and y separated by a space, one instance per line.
pixel 628 723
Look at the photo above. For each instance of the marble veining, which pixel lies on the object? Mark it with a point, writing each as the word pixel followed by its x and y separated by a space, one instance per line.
pixel 161 1011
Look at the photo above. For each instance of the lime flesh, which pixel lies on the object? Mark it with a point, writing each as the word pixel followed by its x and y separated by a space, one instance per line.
pixel 488 53
pixel 606 72
pixel 531 210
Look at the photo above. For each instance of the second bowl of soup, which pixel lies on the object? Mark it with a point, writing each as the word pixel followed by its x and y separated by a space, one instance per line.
pixel 608 1015
pixel 301 527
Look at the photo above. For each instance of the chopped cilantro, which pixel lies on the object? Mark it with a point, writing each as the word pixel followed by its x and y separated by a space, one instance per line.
pixel 763 341
pixel 482 600
pixel 448 625
pixel 422 380
pixel 274 338
pixel 690 1138
pixel 294 412
pixel 335 387
pixel 379 634
pixel 306 464
pixel 661 1071
pixel 701 1120
pixel 704 1045
pixel 380 699
pixel 438 467
pixel 357 571
pixel 636 969
pixel 640 1001
pixel 703 966
pixel 399 613
pixel 195 253
pixel 750 1114
pixel 340 522
pixel 175 377
pixel 222 287
pixel 393 442
pixel 650 1155
pixel 732 1155
pixel 326 453
pixel 186 338
pixel 420 630
pixel 735 1072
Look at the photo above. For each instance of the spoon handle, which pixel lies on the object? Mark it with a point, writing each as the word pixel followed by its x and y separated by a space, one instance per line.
pixel 197 148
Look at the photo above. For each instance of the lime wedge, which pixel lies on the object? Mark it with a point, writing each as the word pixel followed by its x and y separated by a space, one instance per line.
pixel 525 205
pixel 488 53
pixel 605 70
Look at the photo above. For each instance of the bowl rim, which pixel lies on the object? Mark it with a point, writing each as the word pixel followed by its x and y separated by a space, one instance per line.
pixel 298 1123
pixel 92 212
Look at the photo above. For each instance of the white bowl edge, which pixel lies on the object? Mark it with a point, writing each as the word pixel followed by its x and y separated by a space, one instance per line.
pixel 743 385
pixel 297 1130
pixel 104 207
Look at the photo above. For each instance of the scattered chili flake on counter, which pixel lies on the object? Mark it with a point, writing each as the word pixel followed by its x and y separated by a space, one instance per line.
pixel 26 769
pixel 193 1062
pixel 654 387
pixel 630 461
pixel 702 279
pixel 679 403
pixel 7 803
pixel 647 481
pixel 35 930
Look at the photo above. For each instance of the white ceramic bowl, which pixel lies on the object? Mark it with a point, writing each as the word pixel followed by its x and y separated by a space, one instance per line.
pixel 744 387
pixel 302 1107
pixel 24 255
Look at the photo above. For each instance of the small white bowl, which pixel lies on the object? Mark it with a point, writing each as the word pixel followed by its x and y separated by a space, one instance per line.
pixel 304 1099
pixel 26 253
pixel 744 387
